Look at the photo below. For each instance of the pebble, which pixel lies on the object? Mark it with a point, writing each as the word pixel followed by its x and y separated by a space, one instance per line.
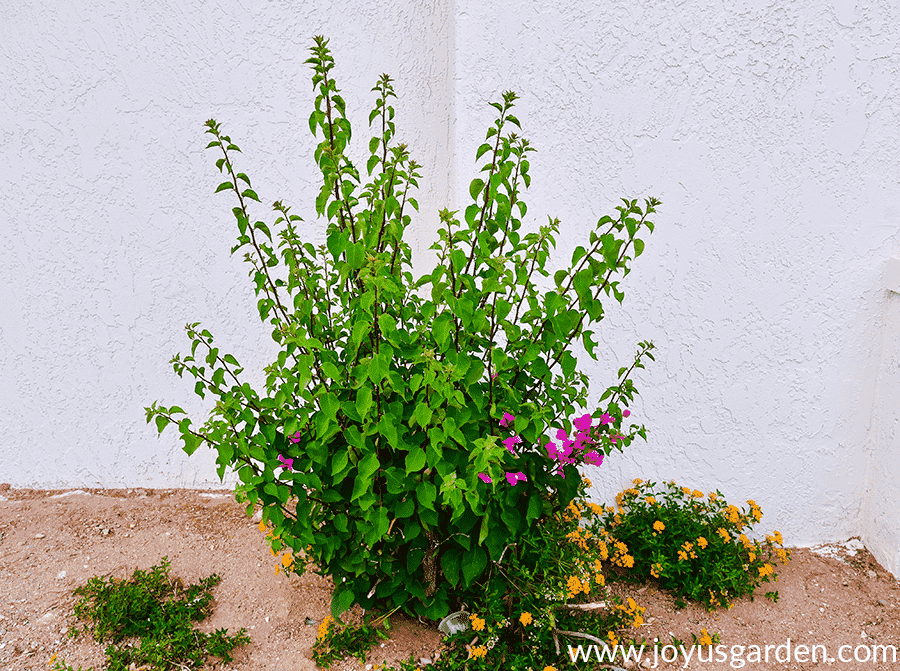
pixel 61 575
pixel 882 602
pixel 39 536
pixel 871 573
pixel 424 661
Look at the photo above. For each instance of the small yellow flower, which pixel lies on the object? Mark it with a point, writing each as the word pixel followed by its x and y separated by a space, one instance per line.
pixel 587 482
pixel 712 496
pixel 525 619
pixel 262 526
pixel 599 578
pixel 686 491
pixel 636 481
pixel 604 550
pixel 613 641
pixel 651 500
pixel 274 554
pixel 52 659
pixel 287 560
pixel 752 556
pixel 702 542
pixel 682 555
pixel 659 526
pixel 478 651
pixel 655 569
pixel 705 638
pixel 323 628
pixel 574 585
pixel 778 538
pixel 549 668
pixel 638 620
pixel 724 534
pixel 697 494
pixel 477 622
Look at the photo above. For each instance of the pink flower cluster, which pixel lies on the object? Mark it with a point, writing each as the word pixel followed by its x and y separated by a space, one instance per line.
pixel 574 450
pixel 571 451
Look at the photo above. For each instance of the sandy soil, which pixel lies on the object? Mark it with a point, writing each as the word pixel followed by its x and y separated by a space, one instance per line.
pixel 54 541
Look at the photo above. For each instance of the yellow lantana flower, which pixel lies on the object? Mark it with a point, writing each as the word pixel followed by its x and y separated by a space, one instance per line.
pixel 659 526
pixel 525 619
pixel 478 651
pixel 702 542
pixel 477 622
pixel 323 628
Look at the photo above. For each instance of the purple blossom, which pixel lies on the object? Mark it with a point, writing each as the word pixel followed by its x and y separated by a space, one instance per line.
pixel 507 418
pixel 485 478
pixel 551 450
pixel 583 423
pixel 593 458
pixel 605 419
pixel 626 413
pixel 509 442
pixel 296 438
pixel 513 478
pixel 287 464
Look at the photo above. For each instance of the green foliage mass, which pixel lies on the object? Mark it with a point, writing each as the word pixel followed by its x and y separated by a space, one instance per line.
pixel 696 547
pixel 150 607
pixel 389 405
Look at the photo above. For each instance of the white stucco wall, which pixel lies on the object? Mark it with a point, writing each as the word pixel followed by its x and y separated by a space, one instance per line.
pixel 768 130
pixel 113 236
pixel 881 494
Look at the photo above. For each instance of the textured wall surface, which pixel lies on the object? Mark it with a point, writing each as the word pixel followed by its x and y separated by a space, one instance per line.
pixel 113 236
pixel 769 132
pixel 767 129
pixel 881 510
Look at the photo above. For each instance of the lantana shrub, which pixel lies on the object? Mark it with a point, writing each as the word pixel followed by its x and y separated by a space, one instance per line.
pixel 374 449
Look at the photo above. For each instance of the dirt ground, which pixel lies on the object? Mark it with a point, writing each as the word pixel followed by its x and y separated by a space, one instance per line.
pixel 54 541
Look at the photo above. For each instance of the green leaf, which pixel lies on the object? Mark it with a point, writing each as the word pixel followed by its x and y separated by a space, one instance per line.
pixel 339 461
pixel 450 564
pixel 475 188
pixel 483 148
pixel 473 564
pixel 363 401
pixel 161 423
pixel 535 506
pixel 340 601
pixel 225 185
pixel 426 493
pixel 415 460
pixel 368 466
pixel 423 414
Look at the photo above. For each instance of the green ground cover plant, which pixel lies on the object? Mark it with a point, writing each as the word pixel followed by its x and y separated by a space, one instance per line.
pixel 157 610
pixel 695 546
pixel 399 443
